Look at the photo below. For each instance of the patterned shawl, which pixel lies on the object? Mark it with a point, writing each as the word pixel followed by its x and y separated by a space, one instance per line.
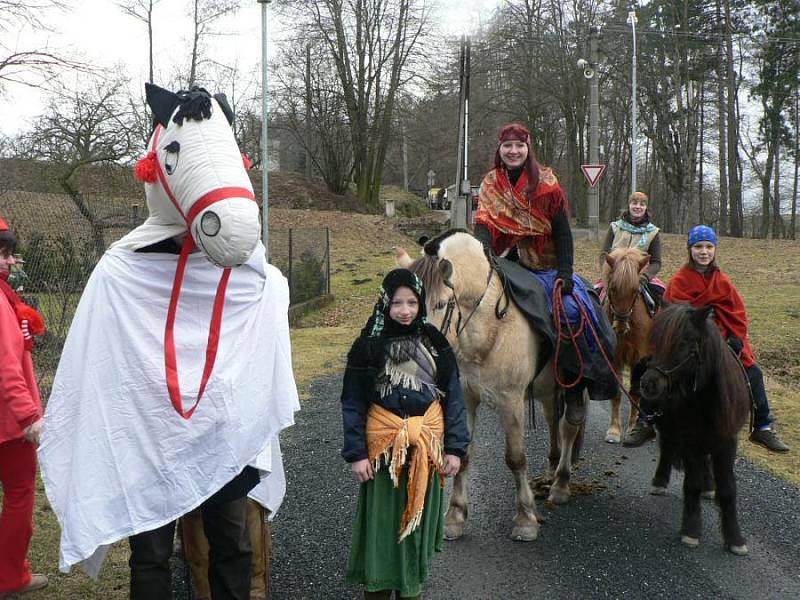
pixel 641 230
pixel 511 214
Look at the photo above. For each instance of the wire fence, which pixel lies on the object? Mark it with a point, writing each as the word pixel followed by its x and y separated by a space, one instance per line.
pixel 60 241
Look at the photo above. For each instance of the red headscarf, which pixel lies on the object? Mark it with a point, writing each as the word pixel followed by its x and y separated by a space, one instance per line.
pixel 717 290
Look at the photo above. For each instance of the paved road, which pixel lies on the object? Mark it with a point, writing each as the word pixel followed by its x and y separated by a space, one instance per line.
pixel 617 542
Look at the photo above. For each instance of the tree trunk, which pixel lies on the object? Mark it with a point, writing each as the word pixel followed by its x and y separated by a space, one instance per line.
pixel 734 177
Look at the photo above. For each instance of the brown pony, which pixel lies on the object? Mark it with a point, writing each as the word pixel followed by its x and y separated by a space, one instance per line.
pixel 697 390
pixel 626 310
pixel 497 352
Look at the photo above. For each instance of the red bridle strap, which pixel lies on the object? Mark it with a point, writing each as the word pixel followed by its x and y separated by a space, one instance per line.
pixel 215 196
pixel 170 358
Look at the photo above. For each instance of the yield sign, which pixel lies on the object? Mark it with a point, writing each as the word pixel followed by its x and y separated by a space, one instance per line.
pixel 593 173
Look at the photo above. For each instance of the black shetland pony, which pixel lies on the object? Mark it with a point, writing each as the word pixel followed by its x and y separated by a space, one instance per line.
pixel 697 389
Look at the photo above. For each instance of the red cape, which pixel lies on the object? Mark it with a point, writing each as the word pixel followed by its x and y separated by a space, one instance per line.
pixel 690 287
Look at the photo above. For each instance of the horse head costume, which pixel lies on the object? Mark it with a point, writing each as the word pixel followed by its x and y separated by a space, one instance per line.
pixel 121 454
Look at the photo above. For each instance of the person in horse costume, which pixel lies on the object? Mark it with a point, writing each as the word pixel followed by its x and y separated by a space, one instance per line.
pixel 405 428
pixel 122 455
pixel 523 215
pixel 700 282
pixel 634 229
pixel 20 426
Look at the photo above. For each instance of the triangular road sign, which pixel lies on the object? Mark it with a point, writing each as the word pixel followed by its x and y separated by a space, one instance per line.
pixel 593 173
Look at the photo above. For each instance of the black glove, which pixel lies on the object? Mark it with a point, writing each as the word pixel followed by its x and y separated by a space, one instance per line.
pixel 566 283
pixel 735 344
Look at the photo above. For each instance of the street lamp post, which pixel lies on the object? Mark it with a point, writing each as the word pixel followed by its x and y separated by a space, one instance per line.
pixel 264 132
pixel 634 126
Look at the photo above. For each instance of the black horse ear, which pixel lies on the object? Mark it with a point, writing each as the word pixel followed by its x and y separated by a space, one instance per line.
pixel 431 247
pixel 162 102
pixel 222 99
pixel 699 316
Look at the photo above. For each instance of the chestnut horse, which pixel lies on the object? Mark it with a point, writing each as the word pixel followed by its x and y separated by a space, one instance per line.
pixel 625 308
pixel 496 350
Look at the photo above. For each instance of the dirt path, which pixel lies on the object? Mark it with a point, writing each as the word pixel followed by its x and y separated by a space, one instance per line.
pixel 617 542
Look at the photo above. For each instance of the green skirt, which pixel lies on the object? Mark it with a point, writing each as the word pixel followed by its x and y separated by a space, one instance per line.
pixel 376 560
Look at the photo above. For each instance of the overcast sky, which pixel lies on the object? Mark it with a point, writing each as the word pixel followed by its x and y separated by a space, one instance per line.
pixel 97 32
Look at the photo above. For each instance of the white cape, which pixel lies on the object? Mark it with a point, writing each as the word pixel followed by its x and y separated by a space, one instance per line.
pixel 116 458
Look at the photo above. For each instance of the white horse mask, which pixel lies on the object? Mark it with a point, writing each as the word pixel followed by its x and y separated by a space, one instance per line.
pixel 195 178
pixel 195 182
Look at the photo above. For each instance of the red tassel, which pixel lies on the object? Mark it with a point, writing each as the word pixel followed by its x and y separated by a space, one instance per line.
pixel 34 318
pixel 246 161
pixel 146 169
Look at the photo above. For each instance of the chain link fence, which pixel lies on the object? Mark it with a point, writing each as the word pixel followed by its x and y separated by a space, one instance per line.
pixel 60 242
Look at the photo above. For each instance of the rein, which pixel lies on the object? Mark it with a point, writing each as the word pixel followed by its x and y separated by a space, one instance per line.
pixel 572 336
pixel 453 306
pixel 170 356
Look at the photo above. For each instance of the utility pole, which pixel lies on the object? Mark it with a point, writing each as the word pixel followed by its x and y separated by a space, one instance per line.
pixel 264 133
pixel 594 126
pixel 460 206
pixel 307 123
pixel 634 125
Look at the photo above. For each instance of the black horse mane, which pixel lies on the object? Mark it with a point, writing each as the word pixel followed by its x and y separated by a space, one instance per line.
pixel 718 379
pixel 195 105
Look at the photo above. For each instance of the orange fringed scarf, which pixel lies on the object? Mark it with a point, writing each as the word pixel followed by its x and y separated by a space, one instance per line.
pixel 691 287
pixel 509 213
pixel 390 436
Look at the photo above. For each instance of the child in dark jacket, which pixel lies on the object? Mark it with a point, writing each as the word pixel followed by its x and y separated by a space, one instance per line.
pixel 404 429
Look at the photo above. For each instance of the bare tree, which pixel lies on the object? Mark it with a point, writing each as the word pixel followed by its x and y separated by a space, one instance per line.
pixel 371 43
pixel 85 126
pixel 26 65
pixel 142 10
pixel 204 13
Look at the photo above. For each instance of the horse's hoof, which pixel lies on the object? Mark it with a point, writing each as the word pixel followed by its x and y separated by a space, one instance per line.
pixel 738 550
pixel 708 494
pixel 453 532
pixel 690 542
pixel 558 495
pixel 525 533
pixel 657 490
pixel 613 438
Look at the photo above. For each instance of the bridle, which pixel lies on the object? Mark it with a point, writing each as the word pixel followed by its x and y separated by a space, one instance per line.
pixel 170 357
pixel 453 306
pixel 667 373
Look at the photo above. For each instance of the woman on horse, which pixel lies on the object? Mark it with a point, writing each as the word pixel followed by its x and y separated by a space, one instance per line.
pixel 700 282
pixel 523 215
pixel 634 230
pixel 403 413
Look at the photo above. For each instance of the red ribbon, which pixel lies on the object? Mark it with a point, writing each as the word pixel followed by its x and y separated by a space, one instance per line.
pixel 170 357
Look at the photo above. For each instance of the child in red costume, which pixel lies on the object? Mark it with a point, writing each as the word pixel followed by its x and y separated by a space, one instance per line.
pixel 20 424
pixel 700 282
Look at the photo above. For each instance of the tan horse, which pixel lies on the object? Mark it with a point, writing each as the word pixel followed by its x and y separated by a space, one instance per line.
pixel 497 360
pixel 630 319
